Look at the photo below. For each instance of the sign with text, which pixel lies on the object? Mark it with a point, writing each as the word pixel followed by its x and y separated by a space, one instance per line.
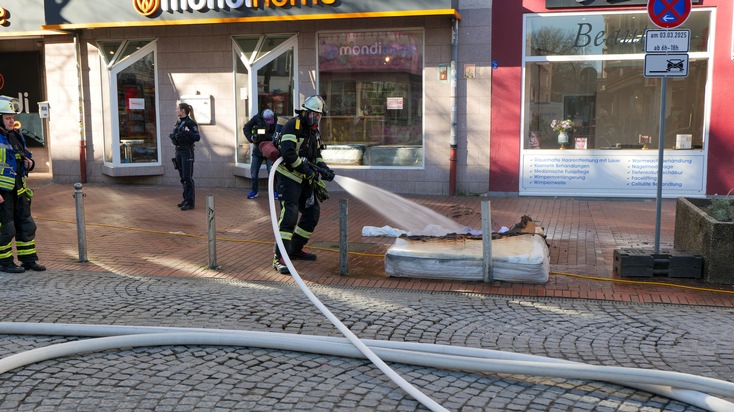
pixel 667 41
pixel 612 173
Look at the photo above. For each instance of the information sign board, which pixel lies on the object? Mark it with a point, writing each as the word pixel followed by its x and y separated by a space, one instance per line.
pixel 667 41
pixel 666 65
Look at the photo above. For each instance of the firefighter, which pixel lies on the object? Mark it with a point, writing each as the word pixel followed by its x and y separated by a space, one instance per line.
pixel 15 210
pixel 300 144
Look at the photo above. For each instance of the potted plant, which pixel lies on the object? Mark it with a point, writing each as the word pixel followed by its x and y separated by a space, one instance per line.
pixel 706 227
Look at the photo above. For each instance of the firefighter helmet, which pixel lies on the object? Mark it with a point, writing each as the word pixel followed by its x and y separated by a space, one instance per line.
pixel 314 104
pixel 8 105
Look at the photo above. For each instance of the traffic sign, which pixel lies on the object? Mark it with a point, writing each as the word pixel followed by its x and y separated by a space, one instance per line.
pixel 668 14
pixel 667 41
pixel 666 65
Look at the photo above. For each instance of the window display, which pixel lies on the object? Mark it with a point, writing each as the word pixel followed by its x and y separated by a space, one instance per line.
pixel 373 85
pixel 133 98
pixel 595 79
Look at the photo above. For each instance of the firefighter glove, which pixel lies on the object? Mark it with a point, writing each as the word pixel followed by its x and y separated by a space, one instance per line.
pixel 310 176
pixel 319 190
pixel 328 174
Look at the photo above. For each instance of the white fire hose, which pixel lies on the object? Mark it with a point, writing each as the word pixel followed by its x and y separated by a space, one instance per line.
pixel 691 389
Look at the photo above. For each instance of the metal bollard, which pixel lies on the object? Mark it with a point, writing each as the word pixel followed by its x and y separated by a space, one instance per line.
pixel 487 241
pixel 343 238
pixel 212 232
pixel 81 231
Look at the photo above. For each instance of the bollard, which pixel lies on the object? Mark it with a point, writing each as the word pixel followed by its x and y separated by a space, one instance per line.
pixel 212 232
pixel 81 231
pixel 487 241
pixel 343 238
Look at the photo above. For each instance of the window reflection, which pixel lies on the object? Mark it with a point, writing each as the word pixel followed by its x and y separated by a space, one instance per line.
pixel 610 101
pixel 136 112
pixel 372 82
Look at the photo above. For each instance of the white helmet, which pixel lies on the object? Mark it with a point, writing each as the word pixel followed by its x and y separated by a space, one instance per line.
pixel 314 104
pixel 8 105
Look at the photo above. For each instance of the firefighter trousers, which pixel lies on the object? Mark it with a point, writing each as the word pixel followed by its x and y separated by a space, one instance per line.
pixel 17 223
pixel 295 231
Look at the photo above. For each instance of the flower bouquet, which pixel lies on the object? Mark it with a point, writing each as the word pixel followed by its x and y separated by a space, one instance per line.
pixel 563 127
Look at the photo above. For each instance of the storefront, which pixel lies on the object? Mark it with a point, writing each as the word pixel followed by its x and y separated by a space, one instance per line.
pixel 584 62
pixel 398 115
pixel 21 72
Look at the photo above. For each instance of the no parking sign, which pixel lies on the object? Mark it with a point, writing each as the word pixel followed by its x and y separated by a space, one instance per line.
pixel 668 14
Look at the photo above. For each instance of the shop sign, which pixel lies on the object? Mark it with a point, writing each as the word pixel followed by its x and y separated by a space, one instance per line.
pixel 151 7
pixel 22 18
pixel 372 51
pixel 74 14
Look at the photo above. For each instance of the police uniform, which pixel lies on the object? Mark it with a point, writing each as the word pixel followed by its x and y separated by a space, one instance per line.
pixel 185 134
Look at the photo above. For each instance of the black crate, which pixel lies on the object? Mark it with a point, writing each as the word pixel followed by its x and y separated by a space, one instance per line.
pixel 685 272
pixel 633 263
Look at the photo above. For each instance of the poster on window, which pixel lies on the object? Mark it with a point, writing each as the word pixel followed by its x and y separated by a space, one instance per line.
pixel 372 51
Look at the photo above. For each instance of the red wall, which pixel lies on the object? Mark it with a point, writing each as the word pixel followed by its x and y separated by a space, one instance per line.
pixel 507 49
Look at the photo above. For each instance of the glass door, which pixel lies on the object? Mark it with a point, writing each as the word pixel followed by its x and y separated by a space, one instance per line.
pixel 265 79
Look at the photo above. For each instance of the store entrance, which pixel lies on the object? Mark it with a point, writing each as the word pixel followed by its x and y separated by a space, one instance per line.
pixel 266 79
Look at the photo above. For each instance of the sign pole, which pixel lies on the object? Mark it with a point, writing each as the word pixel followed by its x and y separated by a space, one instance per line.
pixel 666 14
pixel 661 151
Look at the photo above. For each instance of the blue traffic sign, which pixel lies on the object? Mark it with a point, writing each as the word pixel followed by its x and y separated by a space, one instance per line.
pixel 668 14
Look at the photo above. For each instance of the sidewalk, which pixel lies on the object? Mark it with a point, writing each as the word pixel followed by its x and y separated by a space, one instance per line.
pixel 138 230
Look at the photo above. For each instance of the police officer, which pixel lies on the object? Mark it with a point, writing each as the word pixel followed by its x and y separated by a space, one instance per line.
pixel 260 128
pixel 15 196
pixel 185 134
pixel 300 143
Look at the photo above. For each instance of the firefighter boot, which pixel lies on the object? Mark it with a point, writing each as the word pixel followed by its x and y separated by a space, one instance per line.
pixel 297 252
pixel 279 265
pixel 278 262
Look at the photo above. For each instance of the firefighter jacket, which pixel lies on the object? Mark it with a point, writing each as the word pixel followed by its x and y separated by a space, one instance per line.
pixel 12 169
pixel 256 130
pixel 185 133
pixel 17 141
pixel 298 141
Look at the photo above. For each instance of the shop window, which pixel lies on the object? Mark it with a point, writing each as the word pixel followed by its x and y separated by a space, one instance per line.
pixel 134 136
pixel 264 79
pixel 373 85
pixel 595 78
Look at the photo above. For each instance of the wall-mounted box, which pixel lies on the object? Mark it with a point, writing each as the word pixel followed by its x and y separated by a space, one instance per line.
pixel 202 106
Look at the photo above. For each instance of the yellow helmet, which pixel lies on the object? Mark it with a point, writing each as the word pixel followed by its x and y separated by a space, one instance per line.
pixel 8 105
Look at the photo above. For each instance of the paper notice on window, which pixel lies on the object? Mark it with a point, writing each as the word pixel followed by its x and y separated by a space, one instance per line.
pixel 136 103
pixel 394 103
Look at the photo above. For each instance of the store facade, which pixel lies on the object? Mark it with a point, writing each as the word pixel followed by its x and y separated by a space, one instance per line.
pixel 584 62
pixel 399 116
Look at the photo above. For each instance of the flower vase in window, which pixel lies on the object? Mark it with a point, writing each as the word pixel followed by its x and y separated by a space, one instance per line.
pixel 563 127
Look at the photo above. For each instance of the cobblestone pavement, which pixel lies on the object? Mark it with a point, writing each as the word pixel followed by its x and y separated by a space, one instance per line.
pixel 684 338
